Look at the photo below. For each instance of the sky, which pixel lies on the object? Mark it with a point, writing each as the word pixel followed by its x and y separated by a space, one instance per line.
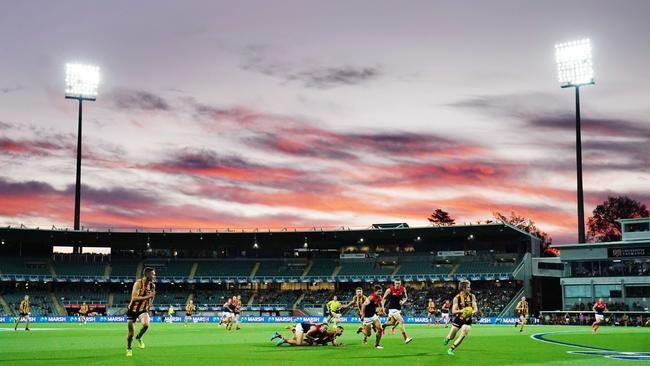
pixel 302 114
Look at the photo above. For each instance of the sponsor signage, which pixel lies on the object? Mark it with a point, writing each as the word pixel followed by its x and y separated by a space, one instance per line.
pixel 628 252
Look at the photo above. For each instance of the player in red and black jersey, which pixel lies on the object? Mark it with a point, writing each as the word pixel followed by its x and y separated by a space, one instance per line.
pixel 394 297
pixel 444 312
pixel 371 308
pixel 599 308
pixel 304 334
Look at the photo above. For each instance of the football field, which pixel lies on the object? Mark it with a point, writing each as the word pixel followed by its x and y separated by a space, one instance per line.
pixel 207 344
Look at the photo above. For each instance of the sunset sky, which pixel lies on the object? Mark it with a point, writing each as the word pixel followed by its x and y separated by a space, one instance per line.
pixel 319 113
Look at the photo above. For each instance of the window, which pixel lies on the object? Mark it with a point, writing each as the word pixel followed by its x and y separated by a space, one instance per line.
pixel 577 291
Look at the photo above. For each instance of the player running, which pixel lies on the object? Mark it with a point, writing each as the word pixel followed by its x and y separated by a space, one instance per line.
pixel 23 313
pixel 431 312
pixel 142 296
pixel 333 311
pixel 599 308
pixel 228 314
pixel 357 301
pixel 189 310
pixel 170 313
pixel 444 312
pixel 237 302
pixel 394 297
pixel 370 310
pixel 83 311
pixel 463 306
pixel 522 310
pixel 303 334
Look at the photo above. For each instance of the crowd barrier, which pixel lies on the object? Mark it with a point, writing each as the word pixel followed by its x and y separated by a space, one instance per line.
pixel 246 319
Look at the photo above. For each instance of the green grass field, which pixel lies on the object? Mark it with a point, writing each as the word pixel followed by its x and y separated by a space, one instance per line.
pixel 205 344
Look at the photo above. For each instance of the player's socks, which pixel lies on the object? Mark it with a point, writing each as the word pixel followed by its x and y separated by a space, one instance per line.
pixel 446 341
pixel 404 335
pixel 276 335
pixel 365 340
pixel 359 330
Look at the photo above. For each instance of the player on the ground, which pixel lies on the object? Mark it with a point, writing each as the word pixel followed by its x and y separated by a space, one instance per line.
pixel 444 312
pixel 370 310
pixel 329 336
pixel 599 308
pixel 394 297
pixel 142 296
pixel 170 313
pixel 303 334
pixel 189 310
pixel 23 313
pixel 522 310
pixel 463 306
pixel 333 311
pixel 431 312
pixel 237 300
pixel 83 311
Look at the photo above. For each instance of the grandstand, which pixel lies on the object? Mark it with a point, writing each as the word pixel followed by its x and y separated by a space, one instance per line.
pixel 280 275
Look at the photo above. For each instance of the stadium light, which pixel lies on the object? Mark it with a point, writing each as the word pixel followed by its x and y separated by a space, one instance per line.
pixel 81 82
pixel 575 69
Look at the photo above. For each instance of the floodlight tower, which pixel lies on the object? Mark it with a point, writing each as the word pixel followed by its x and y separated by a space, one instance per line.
pixel 81 84
pixel 575 69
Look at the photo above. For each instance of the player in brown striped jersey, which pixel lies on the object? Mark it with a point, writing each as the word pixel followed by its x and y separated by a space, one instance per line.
pixel 142 297
pixel 23 312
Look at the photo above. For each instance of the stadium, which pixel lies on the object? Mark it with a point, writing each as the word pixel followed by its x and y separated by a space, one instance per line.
pixel 326 183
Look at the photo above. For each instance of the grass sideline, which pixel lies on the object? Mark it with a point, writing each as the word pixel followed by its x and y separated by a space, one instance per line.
pixel 206 344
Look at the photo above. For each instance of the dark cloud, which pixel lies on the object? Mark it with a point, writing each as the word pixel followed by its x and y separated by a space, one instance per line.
pixel 138 99
pixel 206 159
pixel 114 196
pixel 9 188
pixel 258 60
pixel 596 126
pixel 10 89
pixel 335 76
pixel 5 125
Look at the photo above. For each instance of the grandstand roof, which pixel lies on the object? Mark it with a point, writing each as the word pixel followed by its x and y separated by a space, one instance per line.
pixel 137 239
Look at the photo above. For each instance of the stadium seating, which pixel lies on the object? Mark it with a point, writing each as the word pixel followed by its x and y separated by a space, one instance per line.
pixel 25 266
pixel 223 268
pixel 79 269
pixel 322 268
pixel 423 266
pixel 484 267
pixel 40 302
pixel 122 267
pixel 170 268
pixel 280 268
pixel 362 268
pixel 79 295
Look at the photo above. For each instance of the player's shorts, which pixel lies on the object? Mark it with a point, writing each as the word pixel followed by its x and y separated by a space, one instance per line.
pixel 188 314
pixel 458 322
pixel 227 315
pixel 392 312
pixel 525 316
pixel 22 315
pixel 369 321
pixel 432 314
pixel 134 315
pixel 299 331
pixel 445 316
pixel 600 317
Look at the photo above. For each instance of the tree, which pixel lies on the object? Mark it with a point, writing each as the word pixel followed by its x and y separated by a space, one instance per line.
pixel 528 225
pixel 441 218
pixel 603 225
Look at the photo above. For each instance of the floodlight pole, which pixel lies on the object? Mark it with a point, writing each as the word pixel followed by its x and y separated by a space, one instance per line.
pixel 581 199
pixel 77 189
pixel 580 191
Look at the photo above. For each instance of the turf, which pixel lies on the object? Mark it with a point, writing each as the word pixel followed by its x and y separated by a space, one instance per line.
pixel 205 344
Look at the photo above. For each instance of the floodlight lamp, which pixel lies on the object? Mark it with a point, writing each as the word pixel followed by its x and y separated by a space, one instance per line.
pixel 81 81
pixel 574 66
